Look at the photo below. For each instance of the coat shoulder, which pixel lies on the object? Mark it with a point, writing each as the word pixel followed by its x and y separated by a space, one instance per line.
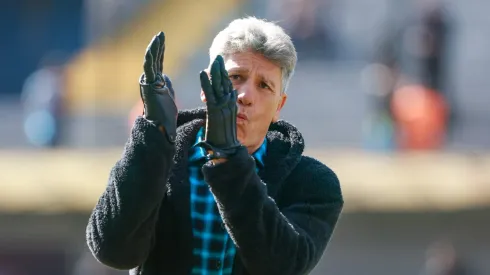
pixel 315 177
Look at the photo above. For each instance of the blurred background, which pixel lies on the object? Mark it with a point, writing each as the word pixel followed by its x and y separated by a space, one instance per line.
pixel 391 94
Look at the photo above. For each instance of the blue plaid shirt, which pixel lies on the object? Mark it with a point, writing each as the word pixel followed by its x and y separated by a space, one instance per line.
pixel 213 249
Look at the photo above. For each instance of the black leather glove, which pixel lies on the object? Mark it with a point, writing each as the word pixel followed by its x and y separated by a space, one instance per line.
pixel 156 90
pixel 221 102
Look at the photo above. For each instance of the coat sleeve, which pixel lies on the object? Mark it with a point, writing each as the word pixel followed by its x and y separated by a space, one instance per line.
pixel 272 240
pixel 121 228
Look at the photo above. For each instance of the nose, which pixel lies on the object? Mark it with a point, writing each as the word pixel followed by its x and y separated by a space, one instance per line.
pixel 246 94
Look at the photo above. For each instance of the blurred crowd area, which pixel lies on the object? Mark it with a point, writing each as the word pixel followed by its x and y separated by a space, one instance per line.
pixel 374 76
pixel 383 75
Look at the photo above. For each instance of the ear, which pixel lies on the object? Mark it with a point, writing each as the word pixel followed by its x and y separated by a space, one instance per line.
pixel 203 96
pixel 280 104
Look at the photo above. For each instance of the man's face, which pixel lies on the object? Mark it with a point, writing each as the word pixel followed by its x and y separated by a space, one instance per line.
pixel 260 100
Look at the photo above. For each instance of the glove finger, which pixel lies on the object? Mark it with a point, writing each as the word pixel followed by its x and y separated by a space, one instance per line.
pixel 161 52
pixel 207 88
pixel 148 66
pixel 216 80
pixel 233 100
pixel 225 79
pixel 155 48
pixel 234 107
pixel 235 95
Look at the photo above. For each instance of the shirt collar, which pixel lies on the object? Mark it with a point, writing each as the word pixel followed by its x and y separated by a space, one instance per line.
pixel 260 153
pixel 198 153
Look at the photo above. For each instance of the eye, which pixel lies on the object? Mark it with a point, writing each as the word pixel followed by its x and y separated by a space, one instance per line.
pixel 264 85
pixel 235 77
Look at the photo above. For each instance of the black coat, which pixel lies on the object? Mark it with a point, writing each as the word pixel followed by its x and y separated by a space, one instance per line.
pixel 280 219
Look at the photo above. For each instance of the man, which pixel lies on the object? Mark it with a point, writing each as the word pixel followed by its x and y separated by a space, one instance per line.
pixel 220 190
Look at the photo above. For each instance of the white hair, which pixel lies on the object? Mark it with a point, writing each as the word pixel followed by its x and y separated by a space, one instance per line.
pixel 259 36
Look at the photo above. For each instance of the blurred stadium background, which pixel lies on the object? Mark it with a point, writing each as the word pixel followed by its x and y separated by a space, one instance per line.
pixel 408 139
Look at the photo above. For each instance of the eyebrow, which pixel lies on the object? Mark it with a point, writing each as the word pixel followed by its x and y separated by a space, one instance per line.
pixel 245 71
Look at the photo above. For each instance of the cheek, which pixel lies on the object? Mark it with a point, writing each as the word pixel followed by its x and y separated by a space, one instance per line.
pixel 266 111
pixel 241 134
pixel 270 107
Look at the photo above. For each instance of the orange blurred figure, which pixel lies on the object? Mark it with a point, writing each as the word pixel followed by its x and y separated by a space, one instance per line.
pixel 420 116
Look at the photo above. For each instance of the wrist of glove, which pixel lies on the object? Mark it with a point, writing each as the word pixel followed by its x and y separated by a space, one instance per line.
pixel 217 152
pixel 159 105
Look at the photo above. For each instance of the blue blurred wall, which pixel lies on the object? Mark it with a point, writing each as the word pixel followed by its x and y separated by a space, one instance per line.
pixel 30 29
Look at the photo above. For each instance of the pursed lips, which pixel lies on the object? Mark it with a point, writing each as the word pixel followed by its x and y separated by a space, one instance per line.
pixel 242 116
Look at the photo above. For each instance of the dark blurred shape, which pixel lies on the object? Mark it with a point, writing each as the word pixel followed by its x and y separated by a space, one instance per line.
pixel 417 47
pixel 414 55
pixel 308 22
pixel 42 100
pixel 426 40
pixel 443 259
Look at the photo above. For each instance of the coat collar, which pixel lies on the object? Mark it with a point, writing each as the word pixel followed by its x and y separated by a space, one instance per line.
pixel 285 144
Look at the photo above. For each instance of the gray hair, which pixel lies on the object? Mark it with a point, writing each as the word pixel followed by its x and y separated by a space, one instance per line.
pixel 259 36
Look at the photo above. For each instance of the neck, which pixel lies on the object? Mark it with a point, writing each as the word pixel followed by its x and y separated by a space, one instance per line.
pixel 252 149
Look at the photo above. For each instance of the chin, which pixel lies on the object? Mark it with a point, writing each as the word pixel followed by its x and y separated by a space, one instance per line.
pixel 241 136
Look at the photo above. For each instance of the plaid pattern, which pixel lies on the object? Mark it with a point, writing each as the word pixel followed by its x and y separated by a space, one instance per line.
pixel 213 250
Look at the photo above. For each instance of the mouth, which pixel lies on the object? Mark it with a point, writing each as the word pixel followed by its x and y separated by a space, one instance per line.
pixel 242 116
